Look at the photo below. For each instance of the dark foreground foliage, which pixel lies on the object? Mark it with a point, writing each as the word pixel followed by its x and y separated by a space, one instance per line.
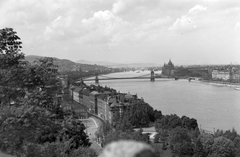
pixel 32 122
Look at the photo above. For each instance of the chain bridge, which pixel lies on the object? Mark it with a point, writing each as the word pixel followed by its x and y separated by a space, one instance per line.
pixel 150 76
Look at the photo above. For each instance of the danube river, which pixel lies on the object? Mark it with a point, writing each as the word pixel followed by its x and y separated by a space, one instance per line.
pixel 213 106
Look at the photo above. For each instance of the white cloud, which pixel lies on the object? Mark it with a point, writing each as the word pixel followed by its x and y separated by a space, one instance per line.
pixel 156 23
pixel 103 25
pixel 184 24
pixel 197 8
pixel 126 6
pixel 193 20
pixel 237 26
pixel 119 6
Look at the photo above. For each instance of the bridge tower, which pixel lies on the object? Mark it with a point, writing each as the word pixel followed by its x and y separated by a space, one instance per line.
pixel 96 78
pixel 152 78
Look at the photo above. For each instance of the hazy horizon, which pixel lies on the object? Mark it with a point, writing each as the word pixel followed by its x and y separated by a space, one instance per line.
pixel 128 31
pixel 126 63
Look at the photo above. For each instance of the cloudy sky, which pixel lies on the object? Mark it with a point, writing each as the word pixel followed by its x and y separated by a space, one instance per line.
pixel 150 31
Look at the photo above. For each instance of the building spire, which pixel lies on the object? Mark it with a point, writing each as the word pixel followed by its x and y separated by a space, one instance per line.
pixel 170 62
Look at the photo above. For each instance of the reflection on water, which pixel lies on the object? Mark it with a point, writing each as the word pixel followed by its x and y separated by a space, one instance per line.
pixel 213 106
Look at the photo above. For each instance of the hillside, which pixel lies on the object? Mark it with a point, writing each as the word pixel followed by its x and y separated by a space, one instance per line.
pixel 68 65
pixel 104 63
pixel 118 65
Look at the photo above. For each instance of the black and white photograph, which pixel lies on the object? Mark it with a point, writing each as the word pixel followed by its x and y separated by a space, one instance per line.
pixel 119 78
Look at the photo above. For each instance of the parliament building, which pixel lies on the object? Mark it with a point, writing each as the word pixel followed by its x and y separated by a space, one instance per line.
pixel 168 69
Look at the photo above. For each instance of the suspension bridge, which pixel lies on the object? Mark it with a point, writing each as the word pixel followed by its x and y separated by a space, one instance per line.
pixel 150 76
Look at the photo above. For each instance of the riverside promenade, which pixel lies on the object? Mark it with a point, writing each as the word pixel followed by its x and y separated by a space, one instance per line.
pixel 218 83
pixel 92 124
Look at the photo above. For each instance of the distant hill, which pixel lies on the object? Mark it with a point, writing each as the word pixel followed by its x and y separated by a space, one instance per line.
pixel 117 65
pixel 97 62
pixel 68 65
pixel 32 58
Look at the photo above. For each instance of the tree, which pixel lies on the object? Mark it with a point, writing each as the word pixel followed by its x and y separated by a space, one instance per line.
pixel 236 142
pixel 29 118
pixel 10 49
pixel 189 123
pixel 157 149
pixel 125 122
pixel 193 124
pixel 74 129
pixel 113 135
pixel 185 121
pixel 162 123
pixel 164 134
pixel 140 136
pixel 230 134
pixel 183 149
pixel 223 147
pixel 23 124
pixel 180 142
pixel 168 122
pixel 174 121
pixel 156 138
pixel 157 115
pixel 46 70
pixel 58 149
pixel 42 83
pixel 198 150
pixel 11 66
pixel 84 152
pixel 194 134
pixel 207 142
pixel 138 113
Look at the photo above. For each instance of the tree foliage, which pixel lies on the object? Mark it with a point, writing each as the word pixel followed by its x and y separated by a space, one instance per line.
pixel 220 145
pixel 198 150
pixel 180 142
pixel 157 115
pixel 229 134
pixel 189 123
pixel 125 123
pixel 10 49
pixel 56 149
pixel 138 114
pixel 207 142
pixel 31 121
pixel 11 66
pixel 168 122
pixel 24 124
pixel 74 129
pixel 223 147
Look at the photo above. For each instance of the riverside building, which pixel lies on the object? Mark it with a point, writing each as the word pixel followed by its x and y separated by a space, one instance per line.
pixel 104 102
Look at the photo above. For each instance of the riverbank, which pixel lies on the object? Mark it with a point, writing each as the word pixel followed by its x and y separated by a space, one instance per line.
pixel 218 83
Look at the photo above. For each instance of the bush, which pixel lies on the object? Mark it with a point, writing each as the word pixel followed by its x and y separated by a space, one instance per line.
pixel 156 138
pixel 55 149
